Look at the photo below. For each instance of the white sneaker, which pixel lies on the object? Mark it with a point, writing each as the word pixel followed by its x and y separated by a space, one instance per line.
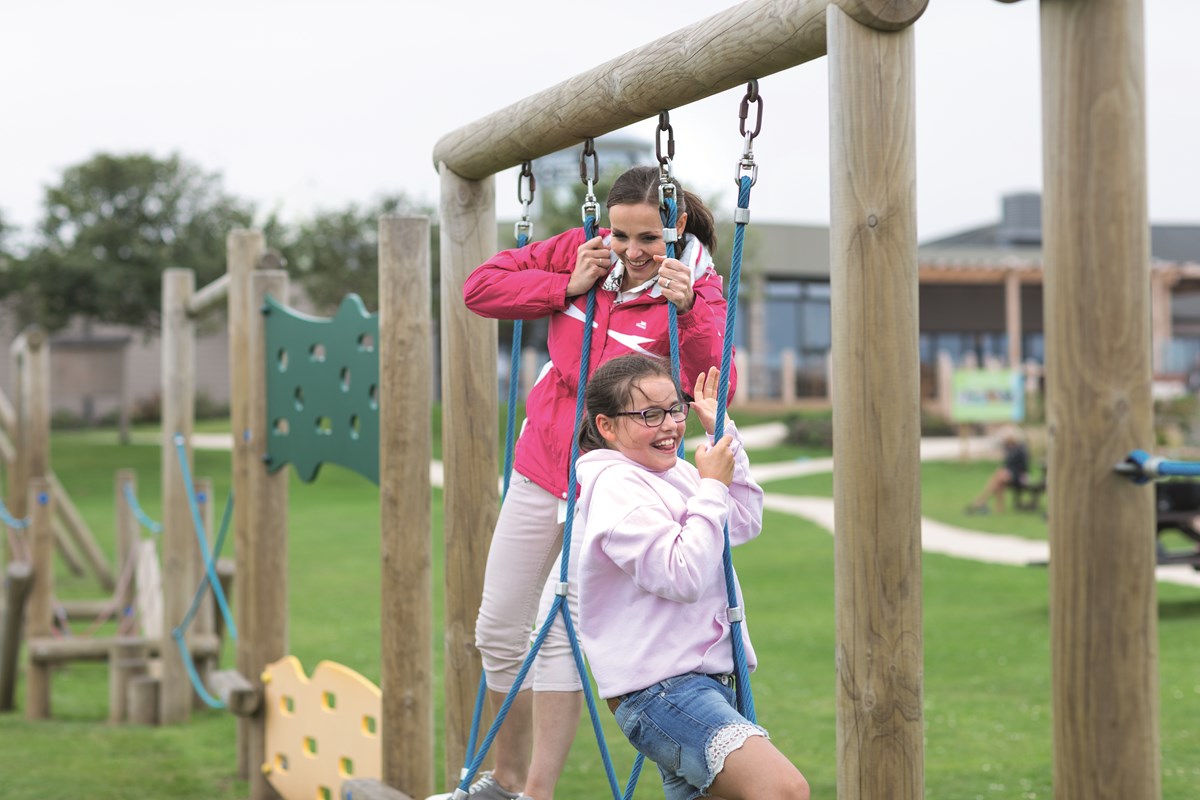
pixel 485 788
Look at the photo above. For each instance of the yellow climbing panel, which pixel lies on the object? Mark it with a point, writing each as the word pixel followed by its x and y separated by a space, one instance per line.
pixel 320 731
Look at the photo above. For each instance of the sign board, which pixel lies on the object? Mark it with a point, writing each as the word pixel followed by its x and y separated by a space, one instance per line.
pixel 994 395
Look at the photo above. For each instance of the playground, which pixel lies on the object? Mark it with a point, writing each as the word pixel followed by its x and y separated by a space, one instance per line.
pixel 987 649
pixel 165 651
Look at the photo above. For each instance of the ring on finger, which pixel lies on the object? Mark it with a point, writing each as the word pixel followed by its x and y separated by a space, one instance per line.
pixel 666 283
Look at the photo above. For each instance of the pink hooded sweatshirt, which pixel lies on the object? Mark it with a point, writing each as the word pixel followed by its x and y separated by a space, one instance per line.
pixel 531 282
pixel 652 598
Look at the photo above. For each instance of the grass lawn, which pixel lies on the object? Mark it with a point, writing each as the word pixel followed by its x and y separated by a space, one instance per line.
pixel 986 646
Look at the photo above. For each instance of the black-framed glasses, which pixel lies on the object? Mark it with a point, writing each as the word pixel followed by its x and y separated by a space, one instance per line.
pixel 653 417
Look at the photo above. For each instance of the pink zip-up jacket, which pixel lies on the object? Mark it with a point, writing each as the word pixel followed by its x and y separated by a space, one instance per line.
pixel 652 597
pixel 531 282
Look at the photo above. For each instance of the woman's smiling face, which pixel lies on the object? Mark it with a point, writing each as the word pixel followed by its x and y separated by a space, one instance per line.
pixel 636 238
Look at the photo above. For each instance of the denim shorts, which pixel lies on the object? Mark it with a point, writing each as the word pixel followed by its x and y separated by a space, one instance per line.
pixel 686 725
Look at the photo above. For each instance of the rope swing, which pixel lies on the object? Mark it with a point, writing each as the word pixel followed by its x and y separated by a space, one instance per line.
pixel 747 175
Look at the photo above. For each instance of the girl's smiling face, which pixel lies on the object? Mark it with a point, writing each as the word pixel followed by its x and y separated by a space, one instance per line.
pixel 655 448
pixel 636 238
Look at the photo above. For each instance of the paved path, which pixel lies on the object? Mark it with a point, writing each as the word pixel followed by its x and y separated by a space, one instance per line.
pixel 936 537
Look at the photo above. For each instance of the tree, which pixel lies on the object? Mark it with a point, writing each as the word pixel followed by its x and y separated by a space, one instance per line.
pixel 337 252
pixel 110 228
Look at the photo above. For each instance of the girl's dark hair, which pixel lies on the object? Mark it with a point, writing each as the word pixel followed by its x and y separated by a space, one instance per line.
pixel 640 185
pixel 610 389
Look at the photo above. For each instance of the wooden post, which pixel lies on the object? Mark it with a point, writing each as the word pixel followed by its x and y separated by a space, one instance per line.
pixel 1012 317
pixel 873 247
pixel 41 599
pixel 178 534
pixel 244 249
pixel 142 700
pixel 127 539
pixel 1160 320
pixel 405 450
pixel 262 575
pixel 787 376
pixel 1103 605
pixel 470 389
pixel 31 434
pixel 127 659
pixel 74 526
pixel 203 623
pixel 18 577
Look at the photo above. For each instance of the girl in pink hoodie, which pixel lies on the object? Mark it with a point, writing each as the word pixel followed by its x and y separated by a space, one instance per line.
pixel 652 599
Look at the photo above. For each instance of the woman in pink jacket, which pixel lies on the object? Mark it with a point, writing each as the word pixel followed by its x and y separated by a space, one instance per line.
pixel 652 596
pixel 634 283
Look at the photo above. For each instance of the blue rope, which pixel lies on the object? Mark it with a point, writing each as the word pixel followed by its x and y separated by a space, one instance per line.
pixel 514 361
pixel 745 698
pixel 670 218
pixel 136 508
pixel 1141 467
pixel 210 569
pixel 560 602
pixel 8 519
pixel 193 676
pixel 179 631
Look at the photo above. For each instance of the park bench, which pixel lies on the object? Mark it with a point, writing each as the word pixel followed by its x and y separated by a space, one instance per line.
pixel 1027 495
pixel 1177 505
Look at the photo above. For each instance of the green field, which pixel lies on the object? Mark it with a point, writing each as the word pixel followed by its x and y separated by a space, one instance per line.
pixel 986 646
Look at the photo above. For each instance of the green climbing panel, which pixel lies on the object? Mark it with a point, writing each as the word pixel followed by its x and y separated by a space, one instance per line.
pixel 323 389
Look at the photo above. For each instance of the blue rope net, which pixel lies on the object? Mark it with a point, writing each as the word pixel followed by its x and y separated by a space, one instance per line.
pixel 138 512
pixel 8 519
pixel 210 575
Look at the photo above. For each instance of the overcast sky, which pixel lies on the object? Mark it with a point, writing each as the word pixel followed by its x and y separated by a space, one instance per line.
pixel 303 105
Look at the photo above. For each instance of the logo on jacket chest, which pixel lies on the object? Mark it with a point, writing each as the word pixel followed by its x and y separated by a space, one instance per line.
pixel 641 324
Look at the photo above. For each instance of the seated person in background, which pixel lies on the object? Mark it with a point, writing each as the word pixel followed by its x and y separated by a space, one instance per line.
pixel 1012 473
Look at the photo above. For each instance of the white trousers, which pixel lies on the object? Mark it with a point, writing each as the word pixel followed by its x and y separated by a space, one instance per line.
pixel 519 588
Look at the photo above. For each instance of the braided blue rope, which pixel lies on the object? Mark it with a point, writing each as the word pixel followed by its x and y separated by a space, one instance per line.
pixel 514 361
pixel 670 218
pixel 514 374
pixel 1141 467
pixel 138 512
pixel 8 519
pixel 210 569
pixel 745 698
pixel 560 602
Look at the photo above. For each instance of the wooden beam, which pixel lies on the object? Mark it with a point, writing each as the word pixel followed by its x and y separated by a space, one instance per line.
pixel 1103 601
pixel 469 408
pixel 61 650
pixel 178 540
pixel 877 427
pixel 243 251
pixel 263 629
pixel 209 296
pixel 81 534
pixel 750 40
pixel 18 578
pixel 240 696
pixel 405 450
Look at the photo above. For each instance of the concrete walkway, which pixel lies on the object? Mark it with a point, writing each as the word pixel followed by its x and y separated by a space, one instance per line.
pixel 936 537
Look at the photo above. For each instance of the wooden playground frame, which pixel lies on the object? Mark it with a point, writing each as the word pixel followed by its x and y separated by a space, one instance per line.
pixel 1097 295
pixel 1103 598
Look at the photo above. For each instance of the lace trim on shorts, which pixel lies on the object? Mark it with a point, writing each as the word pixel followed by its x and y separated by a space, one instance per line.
pixel 725 741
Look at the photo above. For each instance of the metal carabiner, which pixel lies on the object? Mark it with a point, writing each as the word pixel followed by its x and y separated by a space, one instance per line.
pixel 589 149
pixel 664 124
pixel 752 96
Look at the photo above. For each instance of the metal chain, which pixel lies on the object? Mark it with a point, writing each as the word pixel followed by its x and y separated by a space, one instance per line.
pixel 524 225
pixel 746 164
pixel 590 206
